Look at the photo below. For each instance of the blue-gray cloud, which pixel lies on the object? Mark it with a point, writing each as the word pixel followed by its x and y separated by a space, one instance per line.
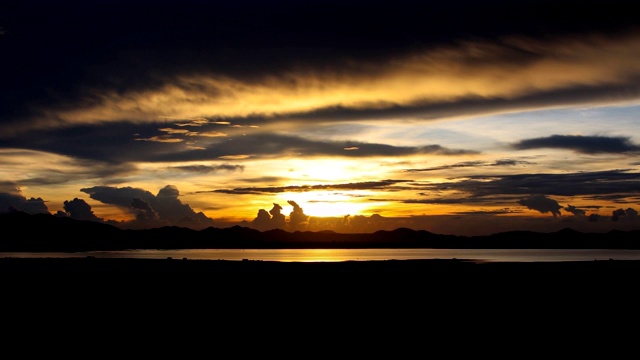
pixel 620 183
pixel 581 144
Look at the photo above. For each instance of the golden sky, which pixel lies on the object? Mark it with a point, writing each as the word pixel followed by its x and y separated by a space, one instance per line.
pixel 428 122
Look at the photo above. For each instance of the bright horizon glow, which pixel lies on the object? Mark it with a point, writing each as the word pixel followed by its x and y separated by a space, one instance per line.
pixel 329 204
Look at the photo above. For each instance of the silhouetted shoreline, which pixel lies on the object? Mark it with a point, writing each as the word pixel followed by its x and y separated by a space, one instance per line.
pixel 229 283
pixel 351 293
pixel 122 271
pixel 48 233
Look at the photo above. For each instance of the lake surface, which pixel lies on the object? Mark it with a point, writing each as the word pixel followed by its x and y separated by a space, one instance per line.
pixel 334 255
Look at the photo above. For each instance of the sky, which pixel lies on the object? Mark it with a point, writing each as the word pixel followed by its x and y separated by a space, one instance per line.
pixel 456 117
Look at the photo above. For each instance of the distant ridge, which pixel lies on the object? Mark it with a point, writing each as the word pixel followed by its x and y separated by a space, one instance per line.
pixel 46 232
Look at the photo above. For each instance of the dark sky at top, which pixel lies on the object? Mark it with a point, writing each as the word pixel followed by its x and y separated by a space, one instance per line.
pixel 49 48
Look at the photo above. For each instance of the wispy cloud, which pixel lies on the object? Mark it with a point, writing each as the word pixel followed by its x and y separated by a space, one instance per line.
pixel 205 169
pixel 581 144
pixel 271 144
pixel 367 185
pixel 473 164
pixel 621 182
pixel 446 81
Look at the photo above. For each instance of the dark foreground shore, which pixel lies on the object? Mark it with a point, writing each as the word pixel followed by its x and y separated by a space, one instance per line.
pixel 378 298
pixel 452 276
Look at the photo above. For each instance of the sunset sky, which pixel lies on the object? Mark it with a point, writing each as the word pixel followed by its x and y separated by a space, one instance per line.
pixel 456 117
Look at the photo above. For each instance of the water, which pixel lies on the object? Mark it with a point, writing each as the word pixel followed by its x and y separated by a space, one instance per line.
pixel 334 255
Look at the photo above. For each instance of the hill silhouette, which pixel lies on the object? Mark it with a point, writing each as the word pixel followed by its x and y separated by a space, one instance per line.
pixel 45 232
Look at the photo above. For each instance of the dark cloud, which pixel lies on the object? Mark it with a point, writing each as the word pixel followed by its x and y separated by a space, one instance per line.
pixel 487 212
pixel 581 144
pixel 632 213
pixel 11 199
pixel 205 169
pixel 366 185
pixel 121 197
pixel 115 145
pixel 620 198
pixel 473 105
pixel 298 220
pixel 619 182
pixel 112 144
pixel 34 206
pixel 473 164
pixel 79 209
pixel 542 204
pixel 269 145
pixel 274 219
pixel 495 189
pixel 574 210
pixel 145 211
pixel 617 214
pixel 278 220
pixel 487 199
pixel 616 185
pixel 166 205
pixel 10 202
pixel 594 217
pixel 628 214
pixel 262 221
pixel 263 179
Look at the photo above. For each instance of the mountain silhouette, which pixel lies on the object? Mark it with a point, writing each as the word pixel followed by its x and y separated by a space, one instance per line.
pixel 46 232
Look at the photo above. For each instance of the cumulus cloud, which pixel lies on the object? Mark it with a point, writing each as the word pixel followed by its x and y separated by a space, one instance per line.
pixel 629 214
pixel 11 199
pixel 574 210
pixel 275 219
pixel 278 219
pixel 79 209
pixel 262 221
pixel 165 207
pixel 10 202
pixel 34 206
pixel 145 211
pixel 297 218
pixel 542 204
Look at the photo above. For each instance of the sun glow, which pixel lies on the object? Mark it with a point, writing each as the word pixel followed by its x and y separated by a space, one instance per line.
pixel 318 170
pixel 328 204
